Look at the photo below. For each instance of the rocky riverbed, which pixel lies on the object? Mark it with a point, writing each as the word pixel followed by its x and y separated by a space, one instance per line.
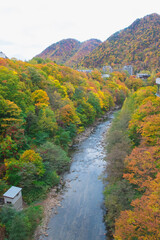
pixel 55 201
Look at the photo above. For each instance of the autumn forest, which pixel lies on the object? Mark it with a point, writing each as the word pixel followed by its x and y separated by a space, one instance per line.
pixel 44 106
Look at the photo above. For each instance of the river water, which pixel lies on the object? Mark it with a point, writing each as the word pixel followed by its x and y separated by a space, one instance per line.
pixel 80 216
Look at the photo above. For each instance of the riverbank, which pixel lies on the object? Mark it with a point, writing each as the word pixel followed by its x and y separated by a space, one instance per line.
pixel 52 202
pixel 82 136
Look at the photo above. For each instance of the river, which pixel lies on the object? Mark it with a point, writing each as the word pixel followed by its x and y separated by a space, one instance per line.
pixel 80 216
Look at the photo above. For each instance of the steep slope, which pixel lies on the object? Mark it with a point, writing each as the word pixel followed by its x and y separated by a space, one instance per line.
pixel 61 51
pixel 69 51
pixel 139 45
pixel 85 48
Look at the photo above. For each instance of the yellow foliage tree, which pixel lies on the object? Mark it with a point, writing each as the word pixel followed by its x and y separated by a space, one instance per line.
pixel 40 98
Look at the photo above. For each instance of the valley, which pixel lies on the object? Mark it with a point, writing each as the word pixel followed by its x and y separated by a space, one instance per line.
pixel 110 181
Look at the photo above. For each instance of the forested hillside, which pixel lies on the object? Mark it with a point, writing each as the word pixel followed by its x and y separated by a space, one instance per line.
pixel 133 169
pixel 69 51
pixel 137 45
pixel 42 108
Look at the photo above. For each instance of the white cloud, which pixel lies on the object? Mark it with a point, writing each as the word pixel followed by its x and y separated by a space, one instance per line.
pixel 32 25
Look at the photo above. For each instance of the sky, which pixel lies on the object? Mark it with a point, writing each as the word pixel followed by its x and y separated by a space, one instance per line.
pixel 27 27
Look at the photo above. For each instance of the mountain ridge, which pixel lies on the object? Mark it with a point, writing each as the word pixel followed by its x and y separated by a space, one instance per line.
pixel 136 45
pixel 67 51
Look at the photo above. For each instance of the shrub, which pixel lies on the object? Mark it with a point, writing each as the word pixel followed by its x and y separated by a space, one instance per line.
pixel 20 225
pixel 54 157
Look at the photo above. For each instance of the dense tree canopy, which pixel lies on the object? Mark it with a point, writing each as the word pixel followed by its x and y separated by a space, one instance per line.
pixel 134 160
pixel 42 108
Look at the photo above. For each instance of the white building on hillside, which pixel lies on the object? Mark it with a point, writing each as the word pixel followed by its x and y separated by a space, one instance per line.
pixel 129 69
pixel 143 76
pixel 107 69
pixel 14 197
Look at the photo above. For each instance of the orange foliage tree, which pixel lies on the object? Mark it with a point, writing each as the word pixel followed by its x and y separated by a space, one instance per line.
pixel 142 165
pixel 68 115
pixel 143 222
